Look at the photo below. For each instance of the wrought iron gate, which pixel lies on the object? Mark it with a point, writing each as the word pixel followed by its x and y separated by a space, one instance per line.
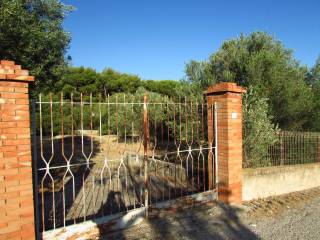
pixel 95 158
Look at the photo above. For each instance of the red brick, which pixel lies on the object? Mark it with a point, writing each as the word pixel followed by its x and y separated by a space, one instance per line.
pixel 14 165
pixel 16 191
pixel 8 172
pixel 25 158
pixel 8 118
pixel 8 196
pixel 3 224
pixel 19 77
pixel 23 136
pixel 17 188
pixel 8 136
pixel 17 67
pixel 23 124
pixel 10 229
pixel 21 72
pixel 14 95
pixel 7 112
pixel 16 130
pixel 14 107
pixel 8 148
pixel 21 90
pixel 7 63
pixel 7 101
pixel 24 153
pixel 6 71
pixel 27 232
pixel 10 205
pixel 13 84
pixel 22 112
pixel 24 147
pixel 7 125
pixel 15 142
pixel 10 154
pixel 14 235
pixel 26 180
pixel 27 192
pixel 11 160
pixel 22 101
pixel 29 219
pixel 6 89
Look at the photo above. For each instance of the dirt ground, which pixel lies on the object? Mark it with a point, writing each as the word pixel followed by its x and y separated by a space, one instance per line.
pixel 290 216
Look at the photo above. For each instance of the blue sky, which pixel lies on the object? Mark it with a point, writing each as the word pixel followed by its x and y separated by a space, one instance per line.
pixel 155 38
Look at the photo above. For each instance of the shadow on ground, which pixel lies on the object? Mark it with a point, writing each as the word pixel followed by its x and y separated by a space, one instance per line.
pixel 207 221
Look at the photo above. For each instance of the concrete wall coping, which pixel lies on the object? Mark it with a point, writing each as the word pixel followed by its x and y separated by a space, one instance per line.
pixel 278 169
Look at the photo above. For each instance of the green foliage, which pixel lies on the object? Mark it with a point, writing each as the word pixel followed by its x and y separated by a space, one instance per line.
pixel 263 62
pixel 164 87
pixel 115 82
pixel 109 82
pixel 79 80
pixel 197 73
pixel 31 34
pixel 259 132
pixel 313 78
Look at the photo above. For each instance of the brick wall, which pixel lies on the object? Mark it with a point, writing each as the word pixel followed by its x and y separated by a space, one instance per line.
pixel 16 190
pixel 229 100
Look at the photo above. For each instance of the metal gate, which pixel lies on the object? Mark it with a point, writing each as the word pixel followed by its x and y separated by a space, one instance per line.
pixel 95 158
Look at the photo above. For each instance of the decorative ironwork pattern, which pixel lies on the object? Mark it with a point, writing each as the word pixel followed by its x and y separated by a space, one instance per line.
pixel 96 158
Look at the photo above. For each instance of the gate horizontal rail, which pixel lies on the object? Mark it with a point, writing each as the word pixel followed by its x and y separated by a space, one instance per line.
pixel 97 158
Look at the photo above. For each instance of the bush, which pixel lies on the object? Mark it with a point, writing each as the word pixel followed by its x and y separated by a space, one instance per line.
pixel 259 132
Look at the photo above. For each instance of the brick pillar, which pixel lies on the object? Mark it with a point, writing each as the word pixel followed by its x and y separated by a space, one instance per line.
pixel 16 190
pixel 228 97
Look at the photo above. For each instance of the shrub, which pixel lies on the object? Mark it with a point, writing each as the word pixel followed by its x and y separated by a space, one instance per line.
pixel 259 131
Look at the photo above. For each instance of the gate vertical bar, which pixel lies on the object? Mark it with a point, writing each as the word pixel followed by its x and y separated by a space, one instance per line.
pixel 145 157
pixel 34 168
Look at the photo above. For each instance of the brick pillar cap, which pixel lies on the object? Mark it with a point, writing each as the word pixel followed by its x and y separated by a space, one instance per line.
pixel 10 71
pixel 225 87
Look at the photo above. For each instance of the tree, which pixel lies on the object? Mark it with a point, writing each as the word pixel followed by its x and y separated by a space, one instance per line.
pixel 313 79
pixel 263 62
pixel 198 74
pixel 313 76
pixel 31 34
pixel 163 87
pixel 113 82
pixel 79 80
pixel 109 82
pixel 258 131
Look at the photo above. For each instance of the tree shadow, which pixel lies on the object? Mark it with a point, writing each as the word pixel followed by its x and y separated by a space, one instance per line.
pixel 61 185
pixel 203 221
pixel 213 220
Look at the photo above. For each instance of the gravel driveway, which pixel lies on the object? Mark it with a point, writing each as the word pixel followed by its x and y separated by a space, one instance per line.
pixel 292 216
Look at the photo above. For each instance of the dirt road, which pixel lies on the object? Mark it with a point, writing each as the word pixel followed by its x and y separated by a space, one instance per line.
pixel 292 216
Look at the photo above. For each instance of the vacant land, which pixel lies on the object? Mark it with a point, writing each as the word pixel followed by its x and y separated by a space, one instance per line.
pixel 291 216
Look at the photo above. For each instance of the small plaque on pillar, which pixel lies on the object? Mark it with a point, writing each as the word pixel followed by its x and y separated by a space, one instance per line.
pixel 234 115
